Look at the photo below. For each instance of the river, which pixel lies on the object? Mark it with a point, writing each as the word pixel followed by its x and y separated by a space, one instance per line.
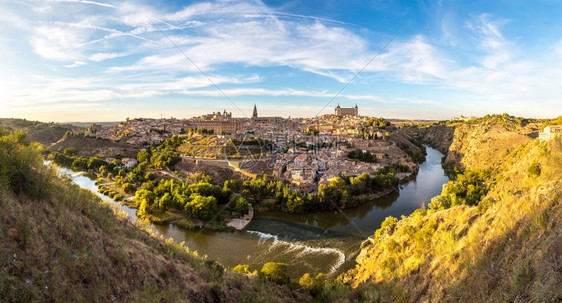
pixel 325 242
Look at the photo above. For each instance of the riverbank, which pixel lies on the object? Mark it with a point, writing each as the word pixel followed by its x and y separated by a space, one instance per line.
pixel 307 243
pixel 365 218
pixel 241 223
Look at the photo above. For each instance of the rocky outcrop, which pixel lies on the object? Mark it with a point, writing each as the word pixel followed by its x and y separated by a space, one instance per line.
pixel 439 137
pixel 483 145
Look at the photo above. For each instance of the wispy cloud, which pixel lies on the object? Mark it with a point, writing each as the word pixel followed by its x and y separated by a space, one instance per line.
pixel 85 2
pixel 108 51
pixel 98 57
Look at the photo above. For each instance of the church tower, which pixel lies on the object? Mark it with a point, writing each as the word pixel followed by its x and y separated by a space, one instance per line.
pixel 255 114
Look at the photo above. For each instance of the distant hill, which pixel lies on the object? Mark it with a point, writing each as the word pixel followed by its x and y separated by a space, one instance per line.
pixel 44 133
pixel 87 124
pixel 88 146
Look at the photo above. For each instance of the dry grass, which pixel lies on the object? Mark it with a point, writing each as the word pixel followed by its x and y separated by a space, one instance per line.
pixel 91 146
pixel 510 251
pixel 72 247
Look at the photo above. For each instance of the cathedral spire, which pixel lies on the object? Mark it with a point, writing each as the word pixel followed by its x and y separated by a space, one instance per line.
pixel 255 114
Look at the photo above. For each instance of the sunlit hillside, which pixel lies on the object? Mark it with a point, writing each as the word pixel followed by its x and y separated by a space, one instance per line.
pixel 494 234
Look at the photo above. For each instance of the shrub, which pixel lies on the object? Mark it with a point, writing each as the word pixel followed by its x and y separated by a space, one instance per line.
pixel 241 206
pixel 308 282
pixel 21 165
pixel 275 272
pixel 242 269
pixel 534 169
pixel 387 228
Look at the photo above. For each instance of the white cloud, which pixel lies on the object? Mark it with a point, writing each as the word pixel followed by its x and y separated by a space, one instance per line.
pixel 98 57
pixel 56 43
pixel 242 37
pixel 75 64
pixel 85 2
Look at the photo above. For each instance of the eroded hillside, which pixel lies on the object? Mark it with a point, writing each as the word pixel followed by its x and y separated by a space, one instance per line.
pixel 493 235
pixel 483 143
pixel 88 146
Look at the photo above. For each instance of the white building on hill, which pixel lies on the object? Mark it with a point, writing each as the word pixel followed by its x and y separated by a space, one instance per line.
pixel 550 132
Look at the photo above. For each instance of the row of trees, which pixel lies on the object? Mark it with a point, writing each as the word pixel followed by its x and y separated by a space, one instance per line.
pixel 277 273
pixel 201 200
pixel 362 156
pixel 83 163
pixel 341 192
pixel 378 122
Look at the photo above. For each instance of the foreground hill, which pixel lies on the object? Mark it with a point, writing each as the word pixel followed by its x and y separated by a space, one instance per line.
pixel 494 234
pixel 62 243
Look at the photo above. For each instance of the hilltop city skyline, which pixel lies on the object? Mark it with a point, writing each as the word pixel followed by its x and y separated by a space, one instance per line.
pixel 74 60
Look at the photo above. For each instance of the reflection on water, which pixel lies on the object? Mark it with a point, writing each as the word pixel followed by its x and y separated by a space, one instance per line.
pixel 324 242
pixel 367 217
pixel 303 248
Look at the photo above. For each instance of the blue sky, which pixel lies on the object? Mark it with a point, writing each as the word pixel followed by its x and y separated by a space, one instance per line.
pixel 81 60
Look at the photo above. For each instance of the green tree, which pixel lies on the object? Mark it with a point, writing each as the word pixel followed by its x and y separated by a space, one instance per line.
pixel 144 195
pixel 95 163
pixel 165 201
pixel 80 163
pixel 201 207
pixel 309 282
pixel 129 187
pixel 241 205
pixel 71 151
pixel 143 156
pixel 21 166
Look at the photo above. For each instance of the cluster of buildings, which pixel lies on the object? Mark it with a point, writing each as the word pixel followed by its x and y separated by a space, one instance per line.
pixel 306 169
pixel 224 124
pixel 304 151
pixel 463 118
pixel 140 131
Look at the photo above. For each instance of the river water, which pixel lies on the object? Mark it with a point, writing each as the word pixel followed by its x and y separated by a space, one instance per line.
pixel 325 242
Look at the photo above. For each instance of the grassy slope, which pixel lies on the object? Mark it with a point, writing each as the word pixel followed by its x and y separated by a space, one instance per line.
pixel 70 246
pixel 510 251
pixel 92 146
pixel 44 133
pixel 203 146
